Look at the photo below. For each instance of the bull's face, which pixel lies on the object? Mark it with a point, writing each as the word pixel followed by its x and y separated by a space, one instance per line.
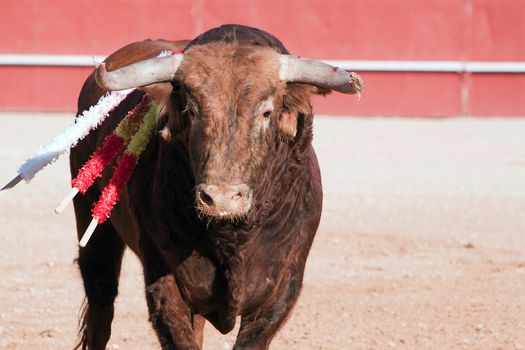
pixel 234 103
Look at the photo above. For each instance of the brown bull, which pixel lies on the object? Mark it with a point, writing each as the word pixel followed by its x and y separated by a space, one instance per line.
pixel 224 203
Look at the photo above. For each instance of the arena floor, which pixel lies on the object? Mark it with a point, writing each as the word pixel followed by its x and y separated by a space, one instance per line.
pixel 421 245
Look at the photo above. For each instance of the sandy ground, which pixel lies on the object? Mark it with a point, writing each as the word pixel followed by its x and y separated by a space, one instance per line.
pixel 421 245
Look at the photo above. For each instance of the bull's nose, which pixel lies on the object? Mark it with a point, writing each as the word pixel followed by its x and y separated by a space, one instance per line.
pixel 222 201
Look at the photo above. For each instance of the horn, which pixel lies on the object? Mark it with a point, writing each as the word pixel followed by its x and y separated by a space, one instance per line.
pixel 146 72
pixel 300 70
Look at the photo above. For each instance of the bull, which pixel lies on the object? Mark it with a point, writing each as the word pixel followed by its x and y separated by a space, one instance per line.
pixel 224 204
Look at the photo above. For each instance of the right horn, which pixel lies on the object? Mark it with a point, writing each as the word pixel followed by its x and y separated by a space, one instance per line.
pixel 300 70
pixel 146 72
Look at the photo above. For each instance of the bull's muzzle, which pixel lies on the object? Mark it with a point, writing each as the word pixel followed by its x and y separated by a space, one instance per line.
pixel 223 202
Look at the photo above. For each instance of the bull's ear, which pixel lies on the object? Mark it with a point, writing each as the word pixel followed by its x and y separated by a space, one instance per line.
pixel 160 93
pixel 166 131
pixel 172 122
pixel 295 105
pixel 287 124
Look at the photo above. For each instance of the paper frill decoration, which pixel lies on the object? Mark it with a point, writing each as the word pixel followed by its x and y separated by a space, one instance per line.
pixel 125 166
pixel 112 144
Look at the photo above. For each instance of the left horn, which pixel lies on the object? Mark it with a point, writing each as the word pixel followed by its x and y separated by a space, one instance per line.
pixel 300 70
pixel 146 72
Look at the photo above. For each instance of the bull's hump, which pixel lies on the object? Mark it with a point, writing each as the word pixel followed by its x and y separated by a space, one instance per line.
pixel 239 34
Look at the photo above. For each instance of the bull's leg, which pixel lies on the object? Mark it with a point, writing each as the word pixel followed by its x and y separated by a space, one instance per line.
pixel 99 264
pixel 176 327
pixel 198 328
pixel 258 328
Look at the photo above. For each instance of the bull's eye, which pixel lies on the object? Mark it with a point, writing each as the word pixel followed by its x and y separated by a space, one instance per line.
pixel 263 112
pixel 191 114
pixel 264 117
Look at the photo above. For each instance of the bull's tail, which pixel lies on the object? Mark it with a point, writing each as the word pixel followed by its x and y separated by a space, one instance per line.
pixel 82 326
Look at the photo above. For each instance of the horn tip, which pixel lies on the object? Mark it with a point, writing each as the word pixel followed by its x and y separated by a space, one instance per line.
pixel 356 83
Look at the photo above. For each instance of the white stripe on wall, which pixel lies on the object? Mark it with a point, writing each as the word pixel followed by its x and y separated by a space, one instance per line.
pixel 431 66
pixel 50 60
pixel 372 66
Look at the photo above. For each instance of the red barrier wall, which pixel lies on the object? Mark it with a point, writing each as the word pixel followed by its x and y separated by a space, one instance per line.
pixel 477 30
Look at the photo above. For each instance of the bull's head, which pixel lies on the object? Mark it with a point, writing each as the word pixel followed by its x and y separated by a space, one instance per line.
pixel 236 102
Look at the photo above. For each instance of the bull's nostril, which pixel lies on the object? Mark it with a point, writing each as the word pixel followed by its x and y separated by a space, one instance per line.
pixel 237 196
pixel 206 199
